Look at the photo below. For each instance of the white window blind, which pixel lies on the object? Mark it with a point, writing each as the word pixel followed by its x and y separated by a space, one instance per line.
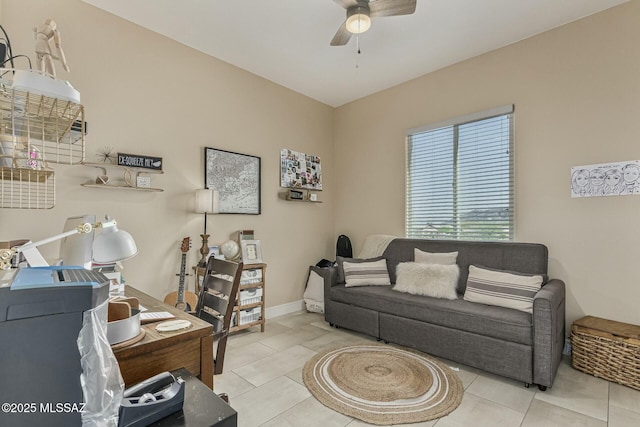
pixel 460 178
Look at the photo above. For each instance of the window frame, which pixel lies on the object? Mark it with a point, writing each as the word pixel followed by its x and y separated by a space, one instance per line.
pixel 456 122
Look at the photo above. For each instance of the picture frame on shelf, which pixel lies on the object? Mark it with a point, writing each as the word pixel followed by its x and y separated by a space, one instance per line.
pixel 295 194
pixel 214 251
pixel 236 176
pixel 251 252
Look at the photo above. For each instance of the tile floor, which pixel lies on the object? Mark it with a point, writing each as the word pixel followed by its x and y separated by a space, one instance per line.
pixel 263 378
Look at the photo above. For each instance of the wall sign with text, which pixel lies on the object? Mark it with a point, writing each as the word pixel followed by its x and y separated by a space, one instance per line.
pixel 139 161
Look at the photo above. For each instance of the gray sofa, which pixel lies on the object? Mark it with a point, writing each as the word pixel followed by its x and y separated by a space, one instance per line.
pixel 511 343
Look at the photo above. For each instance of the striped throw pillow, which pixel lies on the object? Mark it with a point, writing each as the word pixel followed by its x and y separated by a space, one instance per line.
pixel 501 288
pixel 366 273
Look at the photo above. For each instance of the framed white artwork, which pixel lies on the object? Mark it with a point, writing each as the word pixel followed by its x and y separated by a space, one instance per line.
pixel 251 252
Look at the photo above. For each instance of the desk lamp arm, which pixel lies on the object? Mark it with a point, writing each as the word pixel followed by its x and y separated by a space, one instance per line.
pixel 31 252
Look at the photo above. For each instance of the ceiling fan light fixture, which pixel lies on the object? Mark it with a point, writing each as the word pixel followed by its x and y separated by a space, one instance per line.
pixel 358 20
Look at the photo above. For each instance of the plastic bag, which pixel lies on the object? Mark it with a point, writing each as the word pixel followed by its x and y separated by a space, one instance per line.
pixel 314 292
pixel 102 384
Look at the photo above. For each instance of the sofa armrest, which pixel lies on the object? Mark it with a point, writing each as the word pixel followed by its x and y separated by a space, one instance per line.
pixel 548 331
pixel 330 277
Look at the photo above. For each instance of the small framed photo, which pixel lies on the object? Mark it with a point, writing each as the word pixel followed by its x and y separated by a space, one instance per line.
pixel 143 182
pixel 214 251
pixel 251 252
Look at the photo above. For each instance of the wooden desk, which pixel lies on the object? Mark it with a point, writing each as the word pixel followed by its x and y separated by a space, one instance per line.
pixel 158 352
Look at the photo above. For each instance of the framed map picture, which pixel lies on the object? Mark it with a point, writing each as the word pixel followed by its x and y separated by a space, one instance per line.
pixel 236 177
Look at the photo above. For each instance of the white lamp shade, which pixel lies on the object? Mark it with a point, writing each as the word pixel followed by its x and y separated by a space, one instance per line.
pixel 112 245
pixel 358 23
pixel 207 201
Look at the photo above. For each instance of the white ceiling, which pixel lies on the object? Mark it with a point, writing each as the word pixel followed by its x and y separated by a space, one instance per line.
pixel 287 41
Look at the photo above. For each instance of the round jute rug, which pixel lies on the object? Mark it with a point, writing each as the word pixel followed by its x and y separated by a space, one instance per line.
pixel 383 385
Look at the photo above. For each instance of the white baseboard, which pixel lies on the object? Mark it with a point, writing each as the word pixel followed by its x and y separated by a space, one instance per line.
pixel 281 310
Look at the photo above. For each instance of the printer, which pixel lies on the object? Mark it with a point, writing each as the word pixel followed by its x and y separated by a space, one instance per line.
pixel 41 315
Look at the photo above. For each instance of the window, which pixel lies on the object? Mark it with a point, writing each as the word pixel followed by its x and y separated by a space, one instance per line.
pixel 460 178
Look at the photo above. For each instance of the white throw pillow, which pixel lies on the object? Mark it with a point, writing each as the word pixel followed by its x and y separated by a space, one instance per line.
pixel 502 288
pixel 433 280
pixel 366 273
pixel 444 258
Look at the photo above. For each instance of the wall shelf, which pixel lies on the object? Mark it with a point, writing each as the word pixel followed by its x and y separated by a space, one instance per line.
pixel 35 130
pixel 122 187
pixel 23 188
pixel 129 177
pixel 52 128
pixel 307 201
pixel 25 175
pixel 298 195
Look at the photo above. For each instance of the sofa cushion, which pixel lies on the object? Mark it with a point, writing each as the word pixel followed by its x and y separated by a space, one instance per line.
pixel 502 288
pixel 372 273
pixel 529 258
pixel 433 280
pixel 445 258
pixel 497 322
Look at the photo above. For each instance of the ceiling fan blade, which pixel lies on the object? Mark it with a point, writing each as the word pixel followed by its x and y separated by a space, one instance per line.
pixel 347 3
pixel 342 36
pixel 392 7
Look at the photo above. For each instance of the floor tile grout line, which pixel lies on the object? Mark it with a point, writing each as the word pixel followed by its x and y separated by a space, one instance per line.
pixel 608 402
pixel 533 398
pixel 327 333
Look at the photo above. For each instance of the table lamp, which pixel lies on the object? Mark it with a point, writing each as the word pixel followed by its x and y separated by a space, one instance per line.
pixel 207 202
pixel 109 246
pixel 113 245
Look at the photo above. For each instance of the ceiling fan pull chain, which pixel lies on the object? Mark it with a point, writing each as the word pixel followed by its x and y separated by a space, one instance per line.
pixel 358 51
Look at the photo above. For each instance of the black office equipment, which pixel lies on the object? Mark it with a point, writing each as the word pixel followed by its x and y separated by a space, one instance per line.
pixel 202 407
pixel 151 400
pixel 40 320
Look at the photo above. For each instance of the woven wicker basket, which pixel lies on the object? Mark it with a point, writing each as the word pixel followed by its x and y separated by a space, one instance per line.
pixel 607 349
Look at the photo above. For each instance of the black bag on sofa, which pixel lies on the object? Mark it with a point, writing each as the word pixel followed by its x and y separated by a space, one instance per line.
pixel 343 247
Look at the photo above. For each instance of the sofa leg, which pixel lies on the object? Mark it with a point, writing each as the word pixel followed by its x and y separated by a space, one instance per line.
pixel 331 324
pixel 527 385
pixel 378 339
pixel 542 387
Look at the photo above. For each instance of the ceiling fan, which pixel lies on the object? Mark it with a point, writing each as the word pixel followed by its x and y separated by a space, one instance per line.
pixel 360 12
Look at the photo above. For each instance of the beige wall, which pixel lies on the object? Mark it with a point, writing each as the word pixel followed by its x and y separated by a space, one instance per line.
pixel 146 94
pixel 576 92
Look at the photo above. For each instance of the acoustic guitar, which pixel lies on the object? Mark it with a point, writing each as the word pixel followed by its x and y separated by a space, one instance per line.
pixel 181 299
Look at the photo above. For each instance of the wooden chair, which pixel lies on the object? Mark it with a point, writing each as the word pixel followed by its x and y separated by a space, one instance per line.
pixel 216 301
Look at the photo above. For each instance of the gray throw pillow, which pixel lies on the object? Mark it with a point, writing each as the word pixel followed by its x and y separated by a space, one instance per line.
pixel 340 260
